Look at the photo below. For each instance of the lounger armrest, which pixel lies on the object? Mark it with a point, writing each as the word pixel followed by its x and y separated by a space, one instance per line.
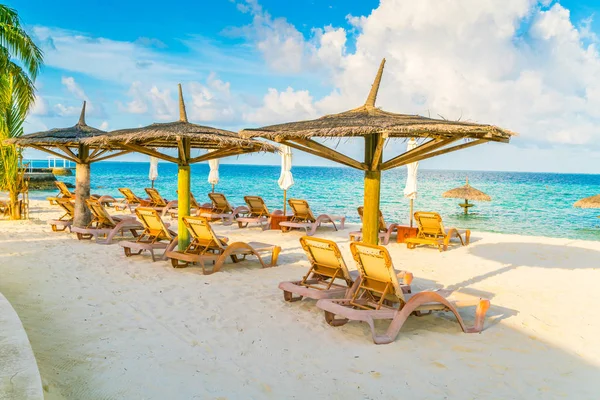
pixel 170 205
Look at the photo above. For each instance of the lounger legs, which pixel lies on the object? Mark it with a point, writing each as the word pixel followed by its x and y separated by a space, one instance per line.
pixel 333 321
pixel 129 253
pixel 423 298
pixel 410 308
pixel 289 297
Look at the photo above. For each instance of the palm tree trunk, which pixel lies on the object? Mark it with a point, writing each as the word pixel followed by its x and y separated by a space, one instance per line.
pixel 15 205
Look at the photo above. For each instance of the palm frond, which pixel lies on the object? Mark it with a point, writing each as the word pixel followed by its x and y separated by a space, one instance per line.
pixel 23 89
pixel 9 16
pixel 21 47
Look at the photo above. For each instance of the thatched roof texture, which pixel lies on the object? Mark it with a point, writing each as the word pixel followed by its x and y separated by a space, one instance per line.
pixel 467 192
pixel 60 136
pixel 589 202
pixel 169 135
pixel 367 119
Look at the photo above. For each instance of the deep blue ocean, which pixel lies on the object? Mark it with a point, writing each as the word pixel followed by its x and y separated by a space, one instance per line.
pixel 522 203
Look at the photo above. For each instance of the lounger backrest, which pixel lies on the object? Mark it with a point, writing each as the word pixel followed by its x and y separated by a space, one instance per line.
pixel 101 216
pixel 220 203
pixel 67 205
pixel 382 224
pixel 376 270
pixel 129 196
pixel 202 233
pixel 157 199
pixel 63 189
pixel 301 210
pixel 153 224
pixel 257 206
pixel 325 258
pixel 193 202
pixel 429 223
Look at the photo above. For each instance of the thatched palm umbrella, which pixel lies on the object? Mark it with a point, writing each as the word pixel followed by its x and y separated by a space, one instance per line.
pixel 588 202
pixel 376 127
pixel 183 136
pixel 466 192
pixel 68 143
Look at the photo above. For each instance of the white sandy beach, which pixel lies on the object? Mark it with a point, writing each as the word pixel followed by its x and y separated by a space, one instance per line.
pixel 103 326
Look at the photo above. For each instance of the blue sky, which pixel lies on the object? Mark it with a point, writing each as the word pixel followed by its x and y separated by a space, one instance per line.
pixel 529 66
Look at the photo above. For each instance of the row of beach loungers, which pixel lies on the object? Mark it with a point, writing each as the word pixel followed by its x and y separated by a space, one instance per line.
pixel 431 230
pixel 375 291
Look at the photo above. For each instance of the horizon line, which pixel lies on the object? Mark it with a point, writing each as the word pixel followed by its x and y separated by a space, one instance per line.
pixel 344 167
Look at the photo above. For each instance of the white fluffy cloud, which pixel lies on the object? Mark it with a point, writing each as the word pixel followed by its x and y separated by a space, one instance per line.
pixel 284 47
pixel 111 60
pixel 76 91
pixel 73 87
pixel 39 107
pixel 212 101
pixel 525 66
pixel 163 104
pixel 138 103
pixel 289 105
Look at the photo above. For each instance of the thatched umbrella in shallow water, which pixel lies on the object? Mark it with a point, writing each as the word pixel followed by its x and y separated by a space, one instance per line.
pixel 376 127
pixel 588 202
pixel 466 192
pixel 183 136
pixel 68 143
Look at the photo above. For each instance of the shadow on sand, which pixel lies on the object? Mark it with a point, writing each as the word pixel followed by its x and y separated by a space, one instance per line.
pixel 517 255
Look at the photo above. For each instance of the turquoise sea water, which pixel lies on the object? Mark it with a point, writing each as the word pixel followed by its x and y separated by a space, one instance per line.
pixel 522 203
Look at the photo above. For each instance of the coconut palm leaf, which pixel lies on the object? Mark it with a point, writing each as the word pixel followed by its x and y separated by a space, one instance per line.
pixel 18 43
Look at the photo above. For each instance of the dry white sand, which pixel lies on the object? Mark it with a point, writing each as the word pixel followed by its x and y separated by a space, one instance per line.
pixel 104 326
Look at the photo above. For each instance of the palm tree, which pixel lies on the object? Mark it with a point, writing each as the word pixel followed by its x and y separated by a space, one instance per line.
pixel 20 62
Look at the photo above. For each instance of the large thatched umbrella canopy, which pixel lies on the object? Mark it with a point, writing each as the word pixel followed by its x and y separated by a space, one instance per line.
pixel 183 136
pixel 588 202
pixel 466 192
pixel 68 143
pixel 377 127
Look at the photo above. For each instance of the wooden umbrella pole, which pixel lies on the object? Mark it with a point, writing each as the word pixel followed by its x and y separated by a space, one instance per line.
pixel 284 201
pixel 183 196
pixel 412 203
pixel 82 188
pixel 213 187
pixel 370 229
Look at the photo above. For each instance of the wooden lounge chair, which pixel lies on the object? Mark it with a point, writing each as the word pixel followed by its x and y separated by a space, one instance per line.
pixel 64 222
pixel 431 232
pixel 63 192
pixel 156 200
pixel 378 295
pixel 104 224
pixel 194 207
pixel 5 209
pixel 223 210
pixel 156 234
pixel 130 200
pixel 258 214
pixel 207 246
pixel 328 277
pixel 304 218
pixel 385 230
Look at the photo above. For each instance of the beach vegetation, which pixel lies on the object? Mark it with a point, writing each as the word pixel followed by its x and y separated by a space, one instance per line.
pixel 20 63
